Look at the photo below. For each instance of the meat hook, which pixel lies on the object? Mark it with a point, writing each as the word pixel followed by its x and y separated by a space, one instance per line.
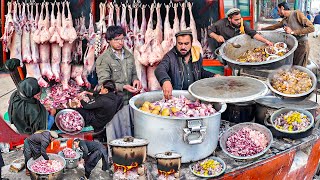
pixel 170 3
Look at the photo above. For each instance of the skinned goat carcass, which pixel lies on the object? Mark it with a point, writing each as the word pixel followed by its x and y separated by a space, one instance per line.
pixel 183 25
pixel 111 11
pixel 67 32
pixel 167 43
pixel 15 47
pixel 130 18
pixel 33 70
pixel 193 28
pixel 45 65
pixel 43 35
pixel 34 27
pixel 143 27
pixel 89 60
pixel 153 83
pixel 26 51
pixel 76 74
pixel 117 8
pixel 176 24
pixel 101 25
pixel 124 24
pixel 65 74
pixel 8 29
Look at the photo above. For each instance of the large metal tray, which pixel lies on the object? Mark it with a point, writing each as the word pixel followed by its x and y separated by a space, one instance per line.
pixel 57 121
pixel 230 54
pixel 228 89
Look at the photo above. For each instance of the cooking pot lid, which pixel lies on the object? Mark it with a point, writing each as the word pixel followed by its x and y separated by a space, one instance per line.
pixel 229 89
pixel 168 155
pixel 275 102
pixel 128 142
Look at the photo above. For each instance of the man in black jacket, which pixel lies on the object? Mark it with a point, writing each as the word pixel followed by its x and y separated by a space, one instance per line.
pixel 181 66
pixel 93 151
pixel 36 145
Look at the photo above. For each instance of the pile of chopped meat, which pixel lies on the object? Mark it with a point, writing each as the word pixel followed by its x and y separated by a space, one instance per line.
pixel 246 142
pixel 46 166
pixel 71 121
pixel 58 98
pixel 208 167
pixel 292 121
pixel 69 153
pixel 260 54
pixel 178 107
pixel 292 81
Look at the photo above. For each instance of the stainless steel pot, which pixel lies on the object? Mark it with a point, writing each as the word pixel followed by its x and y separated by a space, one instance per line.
pixel 267 105
pixel 128 151
pixel 169 163
pixel 193 138
pixel 239 112
pixel 230 54
pixel 71 162
pixel 42 176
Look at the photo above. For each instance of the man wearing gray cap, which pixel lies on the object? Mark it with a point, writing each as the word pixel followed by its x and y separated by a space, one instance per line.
pixel 297 24
pixel 181 66
pixel 36 145
pixel 229 27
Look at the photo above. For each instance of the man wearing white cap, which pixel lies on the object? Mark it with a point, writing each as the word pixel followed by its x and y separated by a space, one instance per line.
pixel 231 26
pixel 36 145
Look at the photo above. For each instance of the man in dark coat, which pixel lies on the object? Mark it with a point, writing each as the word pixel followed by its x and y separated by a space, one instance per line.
pixel 26 112
pixel 36 145
pixel 181 66
pixel 93 151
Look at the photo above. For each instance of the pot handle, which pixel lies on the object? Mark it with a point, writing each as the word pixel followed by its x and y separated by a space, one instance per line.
pixel 266 122
pixel 194 126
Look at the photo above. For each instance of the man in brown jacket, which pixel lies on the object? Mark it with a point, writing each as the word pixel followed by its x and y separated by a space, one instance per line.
pixel 118 64
pixel 297 24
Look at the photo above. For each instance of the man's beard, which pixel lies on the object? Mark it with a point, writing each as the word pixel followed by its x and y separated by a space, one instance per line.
pixel 236 26
pixel 183 55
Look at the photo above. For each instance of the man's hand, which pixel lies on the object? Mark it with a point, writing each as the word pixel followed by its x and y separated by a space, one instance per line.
pixel 219 38
pixel 269 43
pixel 217 75
pixel 137 84
pixel 130 89
pixel 287 29
pixel 167 89
pixel 52 111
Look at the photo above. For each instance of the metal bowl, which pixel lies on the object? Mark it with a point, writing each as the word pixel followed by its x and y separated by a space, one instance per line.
pixel 253 126
pixel 210 176
pixel 57 120
pixel 230 54
pixel 71 162
pixel 51 176
pixel 293 96
pixel 285 110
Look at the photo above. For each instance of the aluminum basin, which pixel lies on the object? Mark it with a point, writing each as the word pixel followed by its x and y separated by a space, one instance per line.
pixel 171 133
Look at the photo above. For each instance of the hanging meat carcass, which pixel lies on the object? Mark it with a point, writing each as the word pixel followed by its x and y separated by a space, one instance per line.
pixel 34 28
pixel 183 25
pixel 26 51
pixel 167 43
pixel 117 8
pixel 8 29
pixel 15 45
pixel 56 42
pixel 195 41
pixel 111 11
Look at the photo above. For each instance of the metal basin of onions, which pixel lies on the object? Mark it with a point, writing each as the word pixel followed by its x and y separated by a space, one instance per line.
pixel 194 138
pixel 253 126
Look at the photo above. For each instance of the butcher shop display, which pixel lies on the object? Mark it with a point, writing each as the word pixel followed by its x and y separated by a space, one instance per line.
pixel 264 53
pixel 291 81
pixel 178 107
pixel 46 166
pixel 207 168
pixel 292 121
pixel 246 142
pixel 69 153
pixel 70 121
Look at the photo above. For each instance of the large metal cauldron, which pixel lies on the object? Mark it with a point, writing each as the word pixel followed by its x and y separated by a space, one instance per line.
pixel 230 54
pixel 41 176
pixel 193 138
